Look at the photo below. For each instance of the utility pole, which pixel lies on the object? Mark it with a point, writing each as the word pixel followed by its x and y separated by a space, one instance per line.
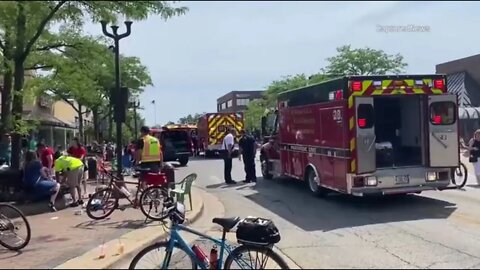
pixel 118 106
pixel 135 103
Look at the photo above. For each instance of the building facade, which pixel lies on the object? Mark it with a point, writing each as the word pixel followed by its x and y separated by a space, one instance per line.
pixel 463 79
pixel 237 101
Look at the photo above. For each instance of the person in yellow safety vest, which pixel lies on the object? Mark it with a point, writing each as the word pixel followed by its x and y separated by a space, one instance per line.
pixel 148 151
pixel 71 169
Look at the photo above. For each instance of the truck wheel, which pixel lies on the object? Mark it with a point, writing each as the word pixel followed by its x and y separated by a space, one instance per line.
pixel 183 161
pixel 313 182
pixel 265 173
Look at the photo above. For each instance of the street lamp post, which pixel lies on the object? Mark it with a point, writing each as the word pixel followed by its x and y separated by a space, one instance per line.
pixel 116 38
pixel 135 103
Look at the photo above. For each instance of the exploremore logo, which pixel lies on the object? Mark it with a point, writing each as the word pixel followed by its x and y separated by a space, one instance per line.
pixel 402 28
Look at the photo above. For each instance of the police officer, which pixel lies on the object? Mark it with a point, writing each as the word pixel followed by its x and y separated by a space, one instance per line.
pixel 148 151
pixel 248 150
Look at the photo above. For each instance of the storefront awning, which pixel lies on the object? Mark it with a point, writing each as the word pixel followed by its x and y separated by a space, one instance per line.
pixel 47 120
pixel 469 112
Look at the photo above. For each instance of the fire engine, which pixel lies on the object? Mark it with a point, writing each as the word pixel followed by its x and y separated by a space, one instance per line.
pixel 212 127
pixel 365 135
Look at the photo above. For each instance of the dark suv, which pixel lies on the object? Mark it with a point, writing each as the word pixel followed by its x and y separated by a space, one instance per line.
pixel 176 145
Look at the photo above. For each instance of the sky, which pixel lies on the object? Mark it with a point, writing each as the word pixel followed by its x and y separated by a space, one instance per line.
pixel 218 47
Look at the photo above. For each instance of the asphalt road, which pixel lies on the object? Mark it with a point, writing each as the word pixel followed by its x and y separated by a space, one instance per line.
pixel 430 230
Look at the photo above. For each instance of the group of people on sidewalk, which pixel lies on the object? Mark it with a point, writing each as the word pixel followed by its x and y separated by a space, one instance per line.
pixel 45 171
pixel 247 151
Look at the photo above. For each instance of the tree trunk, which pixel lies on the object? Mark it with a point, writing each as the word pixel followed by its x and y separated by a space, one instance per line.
pixel 19 79
pixel 96 124
pixel 80 123
pixel 6 122
pixel 6 119
pixel 110 125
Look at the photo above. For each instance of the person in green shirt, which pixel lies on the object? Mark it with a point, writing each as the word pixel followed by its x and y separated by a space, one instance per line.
pixel 72 170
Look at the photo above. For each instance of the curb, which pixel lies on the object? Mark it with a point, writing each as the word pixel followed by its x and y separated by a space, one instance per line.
pixel 139 238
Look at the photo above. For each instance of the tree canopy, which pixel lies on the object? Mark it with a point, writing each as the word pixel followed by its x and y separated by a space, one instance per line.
pixel 27 39
pixel 190 119
pixel 348 61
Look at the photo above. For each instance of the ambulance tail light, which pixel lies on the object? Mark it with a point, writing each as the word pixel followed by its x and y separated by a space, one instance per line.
pixel 362 122
pixel 356 86
pixel 371 181
pixel 431 176
pixel 439 84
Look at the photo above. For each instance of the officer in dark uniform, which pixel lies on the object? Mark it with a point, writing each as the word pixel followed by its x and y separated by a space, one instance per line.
pixel 248 150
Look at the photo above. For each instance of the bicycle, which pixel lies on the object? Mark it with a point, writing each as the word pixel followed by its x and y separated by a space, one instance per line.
pixel 153 196
pixel 460 171
pixel 197 258
pixel 9 226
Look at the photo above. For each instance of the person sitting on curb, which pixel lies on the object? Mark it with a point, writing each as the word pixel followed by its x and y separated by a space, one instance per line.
pixel 37 178
pixel 72 170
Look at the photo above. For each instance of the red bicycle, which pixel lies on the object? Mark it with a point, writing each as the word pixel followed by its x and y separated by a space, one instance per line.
pixel 152 191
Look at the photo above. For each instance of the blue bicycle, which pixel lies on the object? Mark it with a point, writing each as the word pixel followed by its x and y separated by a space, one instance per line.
pixel 176 253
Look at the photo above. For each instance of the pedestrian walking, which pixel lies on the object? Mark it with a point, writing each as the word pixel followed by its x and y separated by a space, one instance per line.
pixel 474 153
pixel 227 149
pixel 248 150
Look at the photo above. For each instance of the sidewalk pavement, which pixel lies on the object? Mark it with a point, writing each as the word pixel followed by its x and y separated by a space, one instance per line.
pixel 58 237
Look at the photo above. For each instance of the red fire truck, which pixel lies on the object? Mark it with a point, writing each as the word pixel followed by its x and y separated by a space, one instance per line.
pixel 365 135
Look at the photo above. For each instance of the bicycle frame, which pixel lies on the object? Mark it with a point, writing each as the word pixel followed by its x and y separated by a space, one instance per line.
pixel 113 184
pixel 175 237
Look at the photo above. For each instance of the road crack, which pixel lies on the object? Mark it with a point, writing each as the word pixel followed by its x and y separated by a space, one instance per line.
pixel 377 245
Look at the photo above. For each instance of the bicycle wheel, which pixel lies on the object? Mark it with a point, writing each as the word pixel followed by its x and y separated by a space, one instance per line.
pixel 158 253
pixel 103 201
pixel 244 260
pixel 462 174
pixel 11 219
pixel 152 198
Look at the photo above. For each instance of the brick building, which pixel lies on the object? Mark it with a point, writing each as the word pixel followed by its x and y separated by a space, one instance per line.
pixel 237 101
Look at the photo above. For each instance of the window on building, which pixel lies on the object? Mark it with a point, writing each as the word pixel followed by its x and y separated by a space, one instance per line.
pixel 224 106
pixel 229 103
pixel 243 101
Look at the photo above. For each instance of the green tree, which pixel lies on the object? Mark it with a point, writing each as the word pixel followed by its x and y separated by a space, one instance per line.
pixel 253 114
pixel 190 119
pixel 364 61
pixel 24 23
pixel 348 62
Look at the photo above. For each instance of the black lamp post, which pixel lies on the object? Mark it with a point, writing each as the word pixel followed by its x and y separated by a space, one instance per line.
pixel 116 38
pixel 135 103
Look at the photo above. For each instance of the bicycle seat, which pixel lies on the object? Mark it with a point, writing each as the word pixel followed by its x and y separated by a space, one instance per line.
pixel 226 223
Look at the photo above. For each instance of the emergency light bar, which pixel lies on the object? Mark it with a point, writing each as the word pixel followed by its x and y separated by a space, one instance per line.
pixel 357 86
